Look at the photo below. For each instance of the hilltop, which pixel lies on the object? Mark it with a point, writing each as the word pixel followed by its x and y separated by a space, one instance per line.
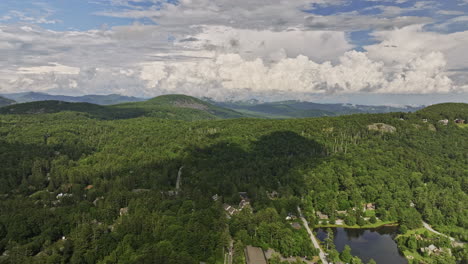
pixel 449 111
pixel 178 107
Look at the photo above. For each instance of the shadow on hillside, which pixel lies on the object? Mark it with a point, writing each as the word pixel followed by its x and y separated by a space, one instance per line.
pixel 270 163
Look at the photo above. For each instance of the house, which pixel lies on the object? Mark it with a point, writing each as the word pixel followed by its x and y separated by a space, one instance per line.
pixel 123 211
pixel 89 187
pixel 444 122
pixel 229 209
pixel 322 216
pixel 291 217
pixel 254 255
pixel 341 212
pixel 431 249
pixel 424 120
pixel 215 197
pixel 459 121
pixel 369 206
pixel 243 203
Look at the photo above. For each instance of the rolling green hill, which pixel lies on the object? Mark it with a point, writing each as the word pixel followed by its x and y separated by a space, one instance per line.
pixel 178 107
pixel 449 111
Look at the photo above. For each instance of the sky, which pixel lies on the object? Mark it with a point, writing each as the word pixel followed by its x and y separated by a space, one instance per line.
pixel 352 51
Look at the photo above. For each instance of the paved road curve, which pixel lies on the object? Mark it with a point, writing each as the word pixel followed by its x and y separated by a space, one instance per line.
pixel 455 243
pixel 312 237
pixel 428 227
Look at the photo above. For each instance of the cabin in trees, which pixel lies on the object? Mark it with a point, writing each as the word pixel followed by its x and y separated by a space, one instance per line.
pixel 322 216
pixel 291 217
pixel 254 255
pixel 229 209
pixel 430 250
pixel 459 121
pixel 444 122
pixel 369 206
pixel 123 211
pixel 245 201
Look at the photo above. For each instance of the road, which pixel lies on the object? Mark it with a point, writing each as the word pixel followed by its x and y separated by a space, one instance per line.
pixel 313 238
pixel 455 243
pixel 428 227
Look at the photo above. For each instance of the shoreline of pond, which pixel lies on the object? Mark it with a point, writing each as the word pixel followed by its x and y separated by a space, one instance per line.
pixel 368 226
pixel 367 243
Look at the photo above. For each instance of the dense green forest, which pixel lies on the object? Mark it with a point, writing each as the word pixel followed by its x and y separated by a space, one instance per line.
pixel 98 184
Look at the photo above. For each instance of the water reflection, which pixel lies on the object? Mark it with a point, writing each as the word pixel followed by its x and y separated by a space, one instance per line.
pixel 377 243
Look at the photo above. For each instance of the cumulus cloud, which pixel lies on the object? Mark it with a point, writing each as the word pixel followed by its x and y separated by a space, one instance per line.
pixel 395 47
pixel 235 50
pixel 240 63
pixel 231 74
pixel 270 45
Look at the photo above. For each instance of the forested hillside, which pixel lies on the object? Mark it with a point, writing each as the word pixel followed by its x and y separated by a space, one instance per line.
pixel 4 101
pixel 179 107
pixel 80 189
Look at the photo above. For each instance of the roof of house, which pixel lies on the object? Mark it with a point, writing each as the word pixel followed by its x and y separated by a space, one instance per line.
pixel 254 255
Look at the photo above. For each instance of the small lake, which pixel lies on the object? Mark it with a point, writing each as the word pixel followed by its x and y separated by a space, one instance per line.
pixel 377 243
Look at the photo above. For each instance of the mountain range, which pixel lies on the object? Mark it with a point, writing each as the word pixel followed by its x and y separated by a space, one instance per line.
pixel 251 108
pixel 93 98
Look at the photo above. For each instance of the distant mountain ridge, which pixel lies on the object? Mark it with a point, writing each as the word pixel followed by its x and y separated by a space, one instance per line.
pixel 187 107
pixel 5 101
pixel 298 109
pixel 93 99
pixel 177 107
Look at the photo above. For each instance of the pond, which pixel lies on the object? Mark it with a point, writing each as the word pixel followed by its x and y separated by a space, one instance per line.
pixel 377 243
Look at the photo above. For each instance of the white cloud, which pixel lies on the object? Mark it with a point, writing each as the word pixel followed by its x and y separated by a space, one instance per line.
pixel 224 49
pixel 354 22
pixel 231 75
pixel 450 12
pixel 226 63
pixel 52 68
pixel 395 47
pixel 270 45
pixel 450 22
